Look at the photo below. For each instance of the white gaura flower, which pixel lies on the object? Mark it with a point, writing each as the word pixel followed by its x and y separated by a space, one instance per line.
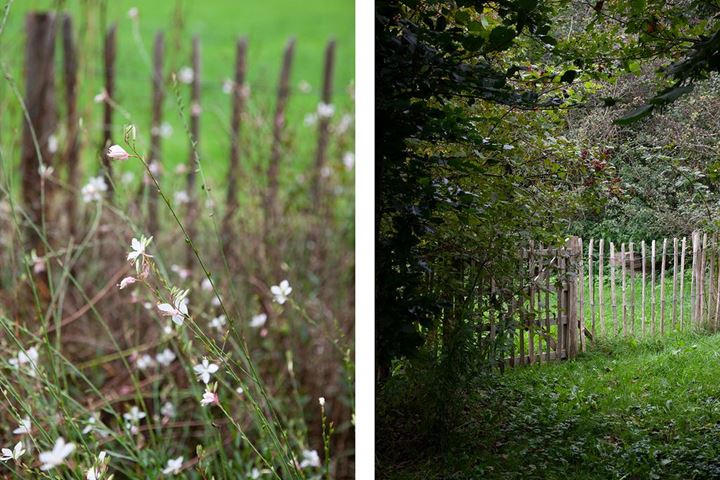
pixel 52 143
pixel 45 171
pixel 186 75
pixel 101 97
pixel 91 426
pixel 204 370
pixel 14 454
pixel 57 455
pixel 344 124
pixel 96 471
pixel 29 357
pixel 321 401
pixel 125 282
pixel 178 310
pixel 138 248
pixel 168 410
pixel 240 390
pixel 227 86
pixel 24 427
pixel 133 13
pixel 116 152
pixel 183 273
pixel 209 398
pixel 144 362
pixel 181 197
pixel 173 467
pixel 304 86
pixel 348 160
pixel 310 459
pixel 218 323
pixel 258 320
pixel 281 292
pixel 325 110
pixel 166 357
pixel 206 284
pixel 93 190
pixel 134 415
pixel 310 119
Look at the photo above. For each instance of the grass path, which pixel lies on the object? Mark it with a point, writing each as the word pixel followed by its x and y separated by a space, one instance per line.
pixel 627 409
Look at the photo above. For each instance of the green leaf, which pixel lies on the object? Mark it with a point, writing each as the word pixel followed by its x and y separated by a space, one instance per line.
pixel 635 115
pixel 501 37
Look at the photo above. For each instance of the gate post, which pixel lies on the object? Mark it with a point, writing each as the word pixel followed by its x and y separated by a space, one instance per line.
pixel 573 248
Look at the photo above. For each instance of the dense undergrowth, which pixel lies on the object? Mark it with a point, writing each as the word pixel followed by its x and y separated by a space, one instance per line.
pixel 626 409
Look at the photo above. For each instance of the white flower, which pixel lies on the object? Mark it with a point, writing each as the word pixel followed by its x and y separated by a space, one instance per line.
pixel 204 370
pixel 57 455
pixel 507 147
pixel 181 197
pixel 178 311
pixel 95 472
pixel 13 454
pixel 183 273
pixel 345 122
pixel 310 119
pixel 126 281
pixel 116 152
pixel 186 75
pixel 101 97
pixel 134 415
pixel 144 362
pixel 206 284
pixel 52 143
pixel 348 160
pixel 227 86
pixel 133 13
pixel 93 191
pixel 165 130
pixel 23 427
pixel 217 323
pixel 209 398
pixel 168 410
pixel 240 390
pixel 258 320
pixel 138 249
pixel 166 357
pixel 325 110
pixel 45 171
pixel 310 459
pixel 321 401
pixel 155 168
pixel 215 301
pixel 195 109
pixel 173 466
pixel 256 473
pixel 325 172
pixel 127 178
pixel 181 168
pixel 281 292
pixel 92 426
pixel 304 86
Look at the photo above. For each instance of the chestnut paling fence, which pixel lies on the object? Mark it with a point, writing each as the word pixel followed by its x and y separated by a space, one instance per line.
pixel 584 290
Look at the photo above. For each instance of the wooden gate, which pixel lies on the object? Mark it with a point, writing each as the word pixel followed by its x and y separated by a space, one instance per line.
pixel 550 325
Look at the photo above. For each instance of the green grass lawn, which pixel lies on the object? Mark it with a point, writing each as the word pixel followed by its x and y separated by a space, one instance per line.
pixel 268 25
pixel 626 409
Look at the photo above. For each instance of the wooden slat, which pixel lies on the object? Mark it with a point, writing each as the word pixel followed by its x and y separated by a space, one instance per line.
pixel 674 291
pixel 624 291
pixel 632 288
pixel 652 288
pixel 591 287
pixel 613 296
pixel 642 313
pixel 580 282
pixel 682 282
pixel 662 287
pixel 601 286
pixel 693 288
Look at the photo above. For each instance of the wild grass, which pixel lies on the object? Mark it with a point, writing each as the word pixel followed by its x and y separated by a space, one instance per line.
pixel 629 408
pixel 108 370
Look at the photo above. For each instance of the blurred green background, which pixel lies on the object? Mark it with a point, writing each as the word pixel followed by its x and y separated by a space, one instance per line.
pixel 267 24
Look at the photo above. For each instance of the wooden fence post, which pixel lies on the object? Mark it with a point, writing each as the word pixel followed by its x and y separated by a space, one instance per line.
pixel 40 122
pixel 154 157
pixel 72 149
pixel 632 287
pixel 623 286
pixel 613 296
pixel 591 288
pixel 239 96
pixel 601 288
pixel 682 283
pixel 323 126
pixel 693 286
pixel 652 288
pixel 642 312
pixel 662 287
pixel 109 55
pixel 273 171
pixel 575 253
pixel 675 267
pixel 194 158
